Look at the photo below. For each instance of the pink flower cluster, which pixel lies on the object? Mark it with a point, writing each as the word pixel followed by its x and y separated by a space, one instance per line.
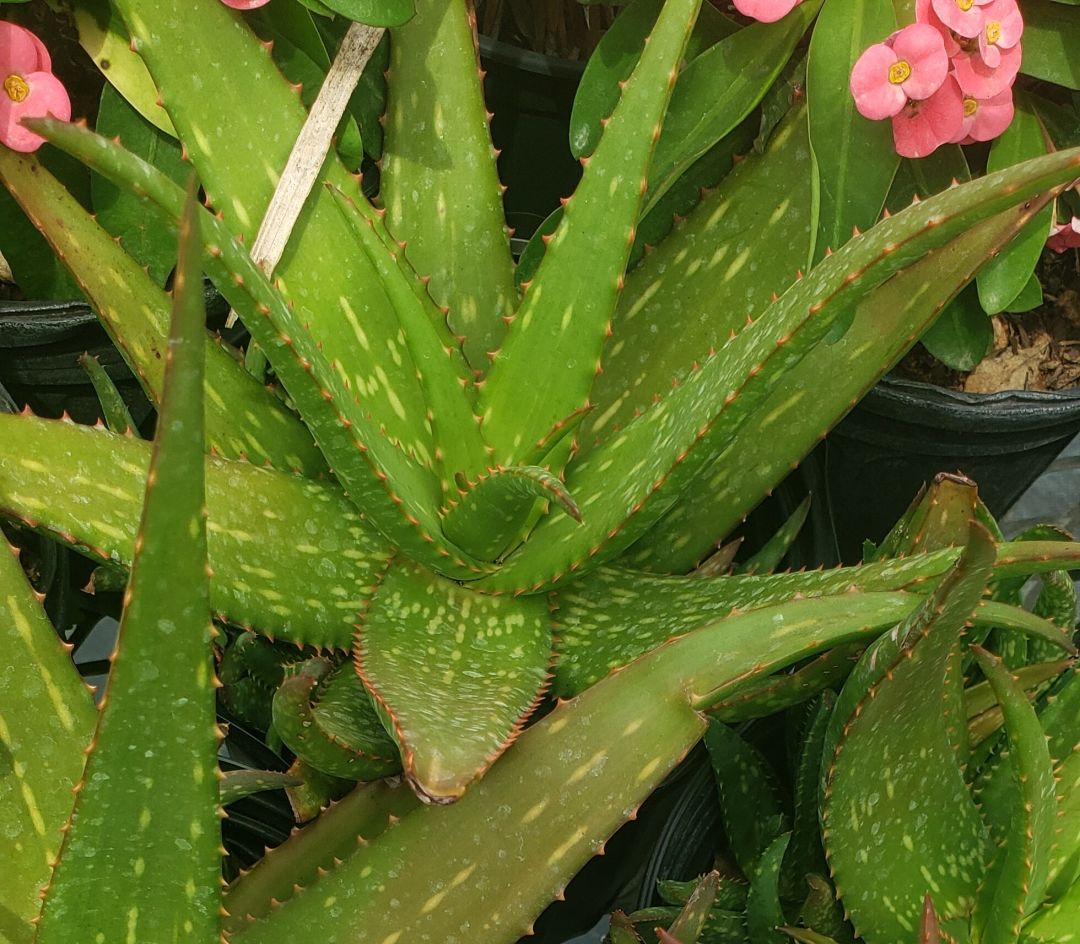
pixel 767 11
pixel 946 78
pixel 29 89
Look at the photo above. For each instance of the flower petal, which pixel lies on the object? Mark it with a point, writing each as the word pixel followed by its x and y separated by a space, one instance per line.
pixel 922 47
pixel 47 97
pixel 924 126
pixel 21 51
pixel 980 81
pixel 875 96
pixel 245 4
pixel 767 11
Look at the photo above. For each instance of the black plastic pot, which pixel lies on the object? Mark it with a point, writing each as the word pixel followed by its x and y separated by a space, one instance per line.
pixel 531 96
pixel 904 432
pixel 40 344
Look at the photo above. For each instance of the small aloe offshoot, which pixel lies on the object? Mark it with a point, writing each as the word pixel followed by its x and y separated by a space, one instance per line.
pixel 450 538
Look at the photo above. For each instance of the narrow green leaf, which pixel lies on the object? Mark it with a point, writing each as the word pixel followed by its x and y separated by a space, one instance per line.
pixel 439 184
pixel 804 863
pixel 764 914
pixel 772 553
pixel 750 798
pixel 336 834
pixel 688 927
pixel 110 880
pixel 1004 277
pixel 546 366
pixel 113 408
pixel 854 158
pixel 1018 876
pixel 484 665
pixel 237 784
pixel 46 721
pixel 895 793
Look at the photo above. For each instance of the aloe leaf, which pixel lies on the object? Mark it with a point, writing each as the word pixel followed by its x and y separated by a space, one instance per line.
pixel 594 612
pixel 387 478
pixel 120 213
pixel 251 669
pixel 939 517
pixel 772 553
pixel 439 183
pixel 804 863
pixel 487 517
pixel 750 799
pixel 334 293
pixel 895 794
pixel 113 407
pixel 719 89
pixel 621 930
pixel 821 913
pixel 105 38
pixel 314 791
pixel 484 665
pixel 1004 276
pixel 109 879
pixel 768 696
pixel 292 559
pixel 661 452
pixel 547 363
pixel 885 324
pixel 980 702
pixel 726 248
pixel 44 730
pixel 764 914
pixel 512 842
pixel 243 418
pixel 688 927
pixel 806 935
pixel 311 852
pixel 1018 876
pixel 441 368
pixel 237 784
pixel 326 719
pixel 854 159
pixel 1055 923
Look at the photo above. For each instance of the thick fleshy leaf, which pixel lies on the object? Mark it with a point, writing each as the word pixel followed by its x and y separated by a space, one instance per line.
pixel 517 836
pixel 750 798
pixel 895 793
pixel 111 880
pixel 455 673
pixel 688 927
pixel 237 784
pixel 1018 876
pixel 326 718
pixel 439 183
pixel 44 731
pixel 292 559
pixel 113 408
pixel 239 152
pixel 627 484
pixel 546 366
pixel 804 863
pixel 764 914
pixel 243 418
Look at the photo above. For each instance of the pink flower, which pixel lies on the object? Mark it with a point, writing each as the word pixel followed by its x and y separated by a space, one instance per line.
pixel 924 13
pixel 767 11
pixel 984 119
pixel 980 80
pixel 245 4
pixel 963 17
pixel 30 90
pixel 923 126
pixel 1064 236
pixel 1001 30
pixel 910 64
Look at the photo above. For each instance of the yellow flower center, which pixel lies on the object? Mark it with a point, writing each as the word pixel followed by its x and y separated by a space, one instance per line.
pixel 899 71
pixel 970 107
pixel 16 88
pixel 965 5
pixel 993 32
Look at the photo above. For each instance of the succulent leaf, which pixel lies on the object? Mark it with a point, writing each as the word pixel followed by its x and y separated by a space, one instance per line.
pixel 239 152
pixel 43 736
pixel 162 667
pixel 895 793
pixel 546 366
pixel 442 194
pixel 1018 875
pixel 688 927
pixel 326 719
pixel 773 551
pixel 113 407
pixel 237 784
pixel 292 560
pixel 764 914
pixel 804 863
pixel 135 311
pixel 484 665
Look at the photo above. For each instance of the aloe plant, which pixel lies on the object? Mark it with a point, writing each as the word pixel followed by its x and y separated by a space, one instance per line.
pixel 468 533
